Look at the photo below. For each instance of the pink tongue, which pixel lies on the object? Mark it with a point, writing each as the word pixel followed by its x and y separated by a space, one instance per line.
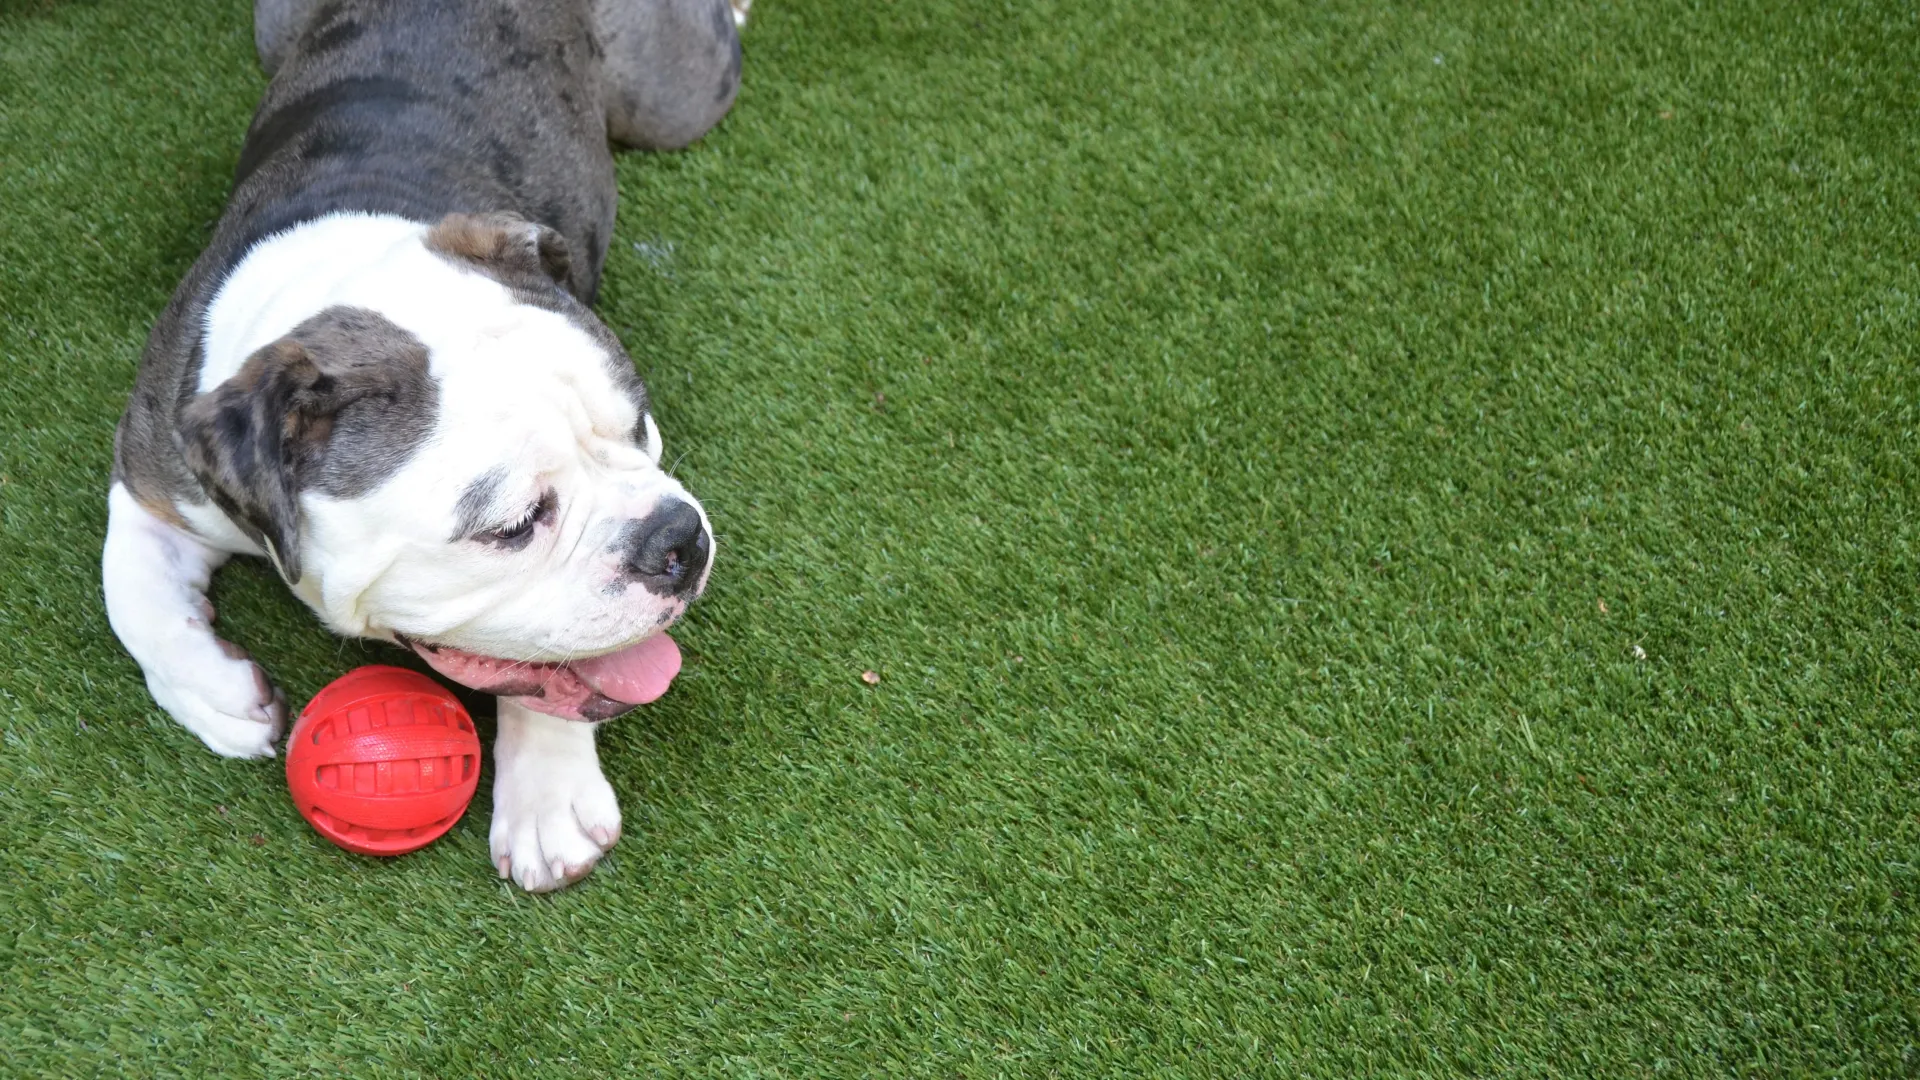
pixel 635 675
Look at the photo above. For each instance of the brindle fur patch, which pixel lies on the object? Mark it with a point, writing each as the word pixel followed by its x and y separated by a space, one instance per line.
pixel 507 247
pixel 336 406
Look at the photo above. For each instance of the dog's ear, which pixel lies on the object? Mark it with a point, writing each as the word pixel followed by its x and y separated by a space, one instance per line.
pixel 256 440
pixel 516 252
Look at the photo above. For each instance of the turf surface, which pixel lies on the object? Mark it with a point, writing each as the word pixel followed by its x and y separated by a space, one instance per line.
pixel 1388 533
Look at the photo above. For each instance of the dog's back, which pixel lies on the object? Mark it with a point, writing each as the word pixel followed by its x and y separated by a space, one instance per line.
pixel 421 110
pixel 426 109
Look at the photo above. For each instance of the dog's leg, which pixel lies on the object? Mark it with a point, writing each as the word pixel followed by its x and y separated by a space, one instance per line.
pixel 672 68
pixel 554 814
pixel 155 577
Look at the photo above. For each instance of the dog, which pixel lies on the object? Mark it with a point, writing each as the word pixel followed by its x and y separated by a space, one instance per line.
pixel 384 375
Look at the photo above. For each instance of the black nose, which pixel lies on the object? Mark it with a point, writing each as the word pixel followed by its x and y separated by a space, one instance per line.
pixel 667 550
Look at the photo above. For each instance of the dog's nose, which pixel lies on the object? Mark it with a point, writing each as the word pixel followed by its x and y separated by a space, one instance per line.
pixel 667 550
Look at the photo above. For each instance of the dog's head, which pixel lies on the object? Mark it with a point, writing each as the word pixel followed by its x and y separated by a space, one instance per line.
pixel 459 456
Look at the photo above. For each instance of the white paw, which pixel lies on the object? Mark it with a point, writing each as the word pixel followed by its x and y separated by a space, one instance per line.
pixel 154 577
pixel 217 693
pixel 740 8
pixel 554 814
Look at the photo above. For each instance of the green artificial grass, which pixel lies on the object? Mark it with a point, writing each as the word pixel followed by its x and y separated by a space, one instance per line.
pixel 1388 534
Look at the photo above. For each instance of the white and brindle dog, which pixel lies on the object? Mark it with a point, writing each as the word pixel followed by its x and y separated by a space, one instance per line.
pixel 384 376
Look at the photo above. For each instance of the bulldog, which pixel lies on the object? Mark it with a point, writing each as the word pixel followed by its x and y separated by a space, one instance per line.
pixel 384 376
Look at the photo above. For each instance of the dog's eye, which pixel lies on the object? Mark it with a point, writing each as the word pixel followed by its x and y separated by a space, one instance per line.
pixel 517 534
pixel 513 532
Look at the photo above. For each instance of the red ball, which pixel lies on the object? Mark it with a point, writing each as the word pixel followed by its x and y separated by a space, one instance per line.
pixel 383 761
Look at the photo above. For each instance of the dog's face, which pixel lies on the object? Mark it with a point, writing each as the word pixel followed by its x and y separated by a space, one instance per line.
pixel 467 465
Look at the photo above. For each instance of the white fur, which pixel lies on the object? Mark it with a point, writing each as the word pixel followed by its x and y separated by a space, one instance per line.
pixel 155 579
pixel 374 261
pixel 553 812
pixel 654 446
pixel 519 388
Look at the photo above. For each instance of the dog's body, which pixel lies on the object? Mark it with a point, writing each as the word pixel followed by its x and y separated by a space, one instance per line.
pixel 382 374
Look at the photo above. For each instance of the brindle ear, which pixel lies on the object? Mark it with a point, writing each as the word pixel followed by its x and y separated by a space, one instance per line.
pixel 508 247
pixel 261 437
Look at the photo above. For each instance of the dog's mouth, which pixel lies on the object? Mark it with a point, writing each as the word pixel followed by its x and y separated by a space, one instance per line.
pixel 598 688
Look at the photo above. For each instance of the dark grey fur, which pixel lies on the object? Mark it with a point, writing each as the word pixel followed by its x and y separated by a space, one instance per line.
pixel 673 67
pixel 275 24
pixel 376 430
pixel 337 406
pixel 671 72
pixel 423 110
pixel 476 502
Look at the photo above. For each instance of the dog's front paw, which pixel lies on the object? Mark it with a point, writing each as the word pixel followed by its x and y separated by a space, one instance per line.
pixel 219 694
pixel 550 829
pixel 554 814
pixel 153 575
